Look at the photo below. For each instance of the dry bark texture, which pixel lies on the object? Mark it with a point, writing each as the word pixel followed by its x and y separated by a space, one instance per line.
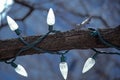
pixel 73 39
pixel 31 18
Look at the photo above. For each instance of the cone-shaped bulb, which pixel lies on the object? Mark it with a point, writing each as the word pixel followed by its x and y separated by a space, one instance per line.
pixel 86 21
pixel 2 5
pixel 12 24
pixel 88 65
pixel 20 70
pixel 64 69
pixel 51 17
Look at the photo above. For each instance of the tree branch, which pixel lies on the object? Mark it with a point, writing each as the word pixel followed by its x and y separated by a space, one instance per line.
pixel 73 39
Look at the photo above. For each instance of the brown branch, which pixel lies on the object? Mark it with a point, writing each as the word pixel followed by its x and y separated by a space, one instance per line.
pixel 68 40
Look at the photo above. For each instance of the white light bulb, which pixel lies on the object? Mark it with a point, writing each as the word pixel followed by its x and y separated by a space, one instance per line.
pixel 10 2
pixel 88 65
pixel 86 21
pixel 64 69
pixel 12 24
pixel 5 4
pixel 20 70
pixel 50 17
pixel 2 5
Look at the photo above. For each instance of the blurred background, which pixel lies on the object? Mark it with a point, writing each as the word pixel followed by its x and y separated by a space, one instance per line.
pixel 31 17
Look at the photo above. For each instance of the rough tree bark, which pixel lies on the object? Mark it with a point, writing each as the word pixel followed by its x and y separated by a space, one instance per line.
pixel 80 39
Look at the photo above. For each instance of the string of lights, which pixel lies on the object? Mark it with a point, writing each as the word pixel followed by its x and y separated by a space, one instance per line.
pixel 63 66
pixel 91 61
pixel 50 21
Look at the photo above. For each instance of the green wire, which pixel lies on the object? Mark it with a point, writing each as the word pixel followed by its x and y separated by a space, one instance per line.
pixel 106 42
pixel 32 45
pixel 103 52
pixel 96 33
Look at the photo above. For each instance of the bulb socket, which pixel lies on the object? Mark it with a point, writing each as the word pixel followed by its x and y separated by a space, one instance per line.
pixel 13 65
pixel 50 28
pixel 63 58
pixel 95 55
pixel 17 31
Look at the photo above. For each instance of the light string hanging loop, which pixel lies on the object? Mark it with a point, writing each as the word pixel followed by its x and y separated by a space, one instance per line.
pixel 91 61
pixel 14 27
pixel 96 33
